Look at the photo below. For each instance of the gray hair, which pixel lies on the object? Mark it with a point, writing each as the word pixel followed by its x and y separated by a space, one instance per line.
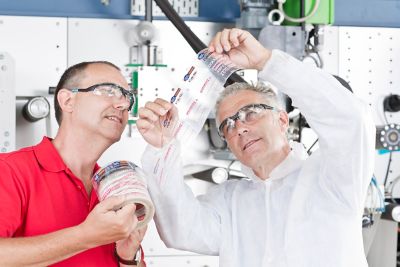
pixel 267 91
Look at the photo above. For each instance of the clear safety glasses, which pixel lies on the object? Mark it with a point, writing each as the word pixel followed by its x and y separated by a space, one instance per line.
pixel 247 115
pixel 110 90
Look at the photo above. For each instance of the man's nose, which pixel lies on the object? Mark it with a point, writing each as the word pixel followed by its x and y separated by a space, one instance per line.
pixel 241 128
pixel 121 103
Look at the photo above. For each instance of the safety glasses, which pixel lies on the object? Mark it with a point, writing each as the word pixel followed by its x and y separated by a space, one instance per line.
pixel 247 115
pixel 110 90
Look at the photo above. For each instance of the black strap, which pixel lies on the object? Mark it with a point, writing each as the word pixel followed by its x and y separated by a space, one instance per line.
pixel 123 261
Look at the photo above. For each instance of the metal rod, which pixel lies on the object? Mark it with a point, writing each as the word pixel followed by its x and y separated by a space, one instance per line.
pixel 148 11
pixel 148 17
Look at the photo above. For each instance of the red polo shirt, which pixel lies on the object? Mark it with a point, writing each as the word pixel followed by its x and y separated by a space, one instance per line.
pixel 39 194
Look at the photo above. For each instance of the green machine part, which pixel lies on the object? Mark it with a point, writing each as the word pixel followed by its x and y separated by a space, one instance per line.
pixel 135 78
pixel 324 14
pixel 134 86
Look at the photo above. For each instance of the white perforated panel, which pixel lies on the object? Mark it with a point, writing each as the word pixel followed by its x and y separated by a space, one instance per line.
pixel 38 46
pixel 7 103
pixel 369 59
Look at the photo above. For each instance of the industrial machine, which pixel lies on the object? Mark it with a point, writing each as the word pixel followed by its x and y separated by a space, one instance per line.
pixel 153 41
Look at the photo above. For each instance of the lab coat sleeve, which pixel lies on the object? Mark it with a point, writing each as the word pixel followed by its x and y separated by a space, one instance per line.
pixel 342 122
pixel 182 220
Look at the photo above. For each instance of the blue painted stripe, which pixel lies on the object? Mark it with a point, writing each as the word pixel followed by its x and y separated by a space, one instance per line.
pixel 378 13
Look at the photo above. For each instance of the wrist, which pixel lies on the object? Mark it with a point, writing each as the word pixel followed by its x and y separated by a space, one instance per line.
pixel 128 260
pixel 86 236
pixel 264 57
pixel 83 236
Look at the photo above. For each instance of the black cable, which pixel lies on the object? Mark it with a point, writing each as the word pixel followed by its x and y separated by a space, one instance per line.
pixel 321 62
pixel 385 109
pixel 228 169
pixel 194 41
pixel 388 169
pixel 390 153
pixel 300 125
pixel 309 150
pixel 384 115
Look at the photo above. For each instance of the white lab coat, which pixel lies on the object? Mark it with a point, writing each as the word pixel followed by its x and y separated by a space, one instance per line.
pixel 308 213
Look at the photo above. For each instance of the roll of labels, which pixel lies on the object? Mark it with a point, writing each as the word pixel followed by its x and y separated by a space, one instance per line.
pixel 124 178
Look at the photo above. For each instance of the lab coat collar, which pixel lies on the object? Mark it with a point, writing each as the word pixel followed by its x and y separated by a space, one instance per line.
pixel 292 162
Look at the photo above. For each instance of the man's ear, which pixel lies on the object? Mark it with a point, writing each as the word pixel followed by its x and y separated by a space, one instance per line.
pixel 283 120
pixel 66 100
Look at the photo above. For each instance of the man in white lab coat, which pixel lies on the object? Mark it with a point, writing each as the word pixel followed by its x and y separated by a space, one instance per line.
pixel 293 210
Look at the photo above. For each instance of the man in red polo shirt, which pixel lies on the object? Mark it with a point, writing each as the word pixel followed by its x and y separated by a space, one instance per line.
pixel 49 212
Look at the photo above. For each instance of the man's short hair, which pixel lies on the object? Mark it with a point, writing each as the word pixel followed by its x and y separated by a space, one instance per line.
pixel 266 90
pixel 71 79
